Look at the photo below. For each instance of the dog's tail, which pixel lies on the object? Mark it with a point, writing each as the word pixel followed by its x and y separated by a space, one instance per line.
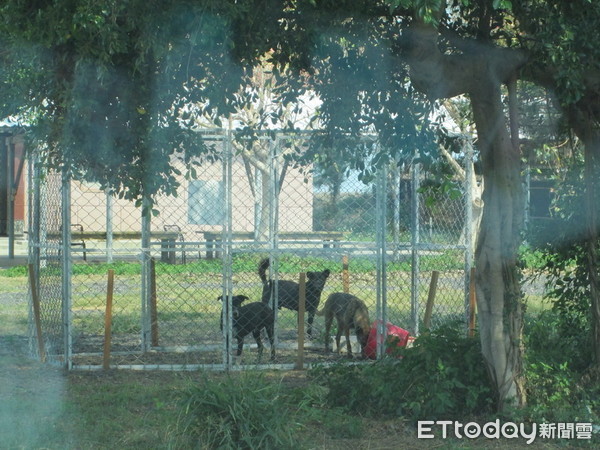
pixel 262 270
pixel 329 301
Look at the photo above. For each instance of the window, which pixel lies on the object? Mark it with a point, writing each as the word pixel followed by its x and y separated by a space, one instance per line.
pixel 206 202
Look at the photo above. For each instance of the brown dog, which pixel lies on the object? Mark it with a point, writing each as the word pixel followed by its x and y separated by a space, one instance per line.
pixel 350 312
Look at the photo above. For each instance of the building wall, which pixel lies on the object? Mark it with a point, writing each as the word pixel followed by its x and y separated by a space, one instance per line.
pixel 9 139
pixel 89 205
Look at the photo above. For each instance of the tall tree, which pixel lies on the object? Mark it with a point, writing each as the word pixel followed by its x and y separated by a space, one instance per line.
pixel 265 103
pixel 448 50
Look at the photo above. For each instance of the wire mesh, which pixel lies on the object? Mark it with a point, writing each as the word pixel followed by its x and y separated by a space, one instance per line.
pixel 222 261
pixel 46 227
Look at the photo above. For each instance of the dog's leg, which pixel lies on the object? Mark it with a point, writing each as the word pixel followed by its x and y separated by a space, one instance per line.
pixel 240 346
pixel 271 335
pixel 256 334
pixel 311 318
pixel 328 320
pixel 338 336
pixel 348 344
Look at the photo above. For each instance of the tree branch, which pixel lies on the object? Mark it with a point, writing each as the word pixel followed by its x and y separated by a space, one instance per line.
pixel 439 75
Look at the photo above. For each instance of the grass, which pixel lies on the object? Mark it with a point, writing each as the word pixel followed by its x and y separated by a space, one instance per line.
pixel 45 407
pixel 187 294
pixel 133 410
pixel 13 313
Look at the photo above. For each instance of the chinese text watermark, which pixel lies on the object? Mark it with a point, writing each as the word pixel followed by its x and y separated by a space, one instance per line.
pixel 429 429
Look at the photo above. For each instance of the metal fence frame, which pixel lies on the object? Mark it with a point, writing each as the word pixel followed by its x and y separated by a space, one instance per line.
pixel 55 257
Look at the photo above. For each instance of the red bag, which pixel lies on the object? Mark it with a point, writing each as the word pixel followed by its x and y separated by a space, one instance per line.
pixel 394 333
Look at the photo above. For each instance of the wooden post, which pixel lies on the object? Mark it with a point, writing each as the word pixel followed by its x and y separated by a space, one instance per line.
pixel 345 274
pixel 430 299
pixel 108 320
pixel 301 310
pixel 472 303
pixel 35 300
pixel 153 305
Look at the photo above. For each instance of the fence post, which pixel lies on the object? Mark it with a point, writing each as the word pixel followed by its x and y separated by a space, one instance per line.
pixel 415 240
pixel 153 305
pixel 35 301
pixel 430 299
pixel 469 231
pixel 108 320
pixel 381 233
pixel 274 228
pixel 301 309
pixel 66 265
pixel 145 288
pixel 109 226
pixel 472 304
pixel 227 226
pixel 345 274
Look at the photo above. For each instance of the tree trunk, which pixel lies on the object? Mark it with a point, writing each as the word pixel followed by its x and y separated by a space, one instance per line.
pixel 476 193
pixel 262 228
pixel 499 298
pixel 479 71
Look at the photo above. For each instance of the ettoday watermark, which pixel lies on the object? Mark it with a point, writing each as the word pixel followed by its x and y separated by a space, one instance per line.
pixel 429 429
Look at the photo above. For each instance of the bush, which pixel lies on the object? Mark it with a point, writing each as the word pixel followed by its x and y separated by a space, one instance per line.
pixel 558 337
pixel 13 272
pixel 242 411
pixel 556 367
pixel 442 376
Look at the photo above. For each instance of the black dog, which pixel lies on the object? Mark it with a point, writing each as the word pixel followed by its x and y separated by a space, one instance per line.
pixel 250 318
pixel 289 291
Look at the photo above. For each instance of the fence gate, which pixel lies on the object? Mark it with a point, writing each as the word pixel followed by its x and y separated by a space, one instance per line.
pixel 177 276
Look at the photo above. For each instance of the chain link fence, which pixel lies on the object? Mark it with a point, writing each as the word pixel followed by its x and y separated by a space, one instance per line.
pixel 222 262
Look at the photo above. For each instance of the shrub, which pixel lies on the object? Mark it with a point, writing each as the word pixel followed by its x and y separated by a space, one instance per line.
pixel 242 411
pixel 442 376
pixel 558 337
pixel 556 367
pixel 15 271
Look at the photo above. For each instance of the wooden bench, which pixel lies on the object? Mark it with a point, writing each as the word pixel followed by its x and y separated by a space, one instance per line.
pixel 167 238
pixel 328 238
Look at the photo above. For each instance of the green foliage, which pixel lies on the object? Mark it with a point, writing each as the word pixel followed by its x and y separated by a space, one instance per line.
pixel 556 362
pixel 562 48
pixel 239 412
pixel 562 257
pixel 442 376
pixel 102 85
pixel 13 272
pixel 532 259
pixel 559 337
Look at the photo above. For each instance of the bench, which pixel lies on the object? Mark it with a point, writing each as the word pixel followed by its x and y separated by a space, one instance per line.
pixel 167 238
pixel 328 238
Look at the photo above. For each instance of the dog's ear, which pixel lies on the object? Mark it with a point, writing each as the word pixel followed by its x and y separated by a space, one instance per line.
pixel 326 272
pixel 237 300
